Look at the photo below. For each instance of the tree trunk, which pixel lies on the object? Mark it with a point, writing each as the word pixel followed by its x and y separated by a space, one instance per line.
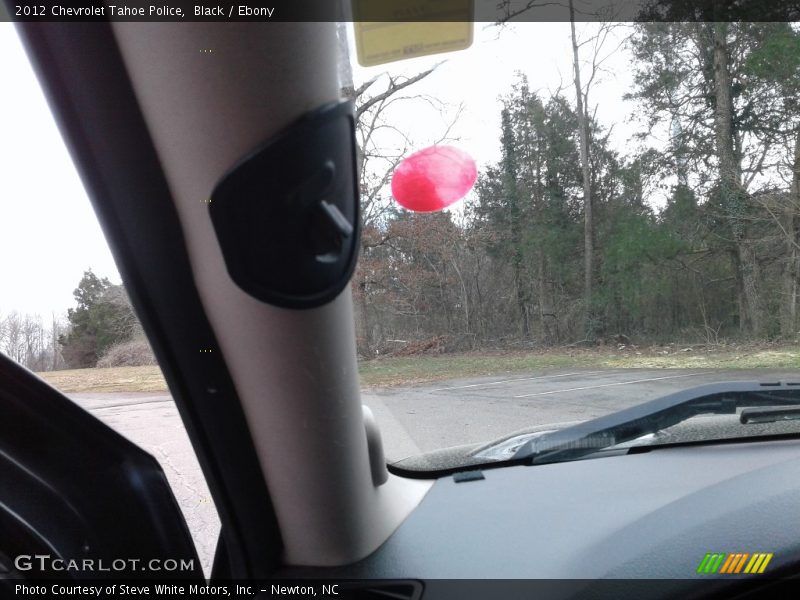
pixel 741 305
pixel 750 282
pixel 791 270
pixel 480 327
pixel 521 296
pixel 464 298
pixel 540 289
pixel 363 326
pixel 588 232
pixel 733 195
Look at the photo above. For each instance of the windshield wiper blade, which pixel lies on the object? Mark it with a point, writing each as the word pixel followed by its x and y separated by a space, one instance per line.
pixel 769 414
pixel 656 415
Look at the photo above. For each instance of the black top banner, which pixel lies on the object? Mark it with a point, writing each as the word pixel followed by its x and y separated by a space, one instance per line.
pixel 402 10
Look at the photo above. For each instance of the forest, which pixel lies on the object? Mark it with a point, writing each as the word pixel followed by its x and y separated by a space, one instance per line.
pixel 563 243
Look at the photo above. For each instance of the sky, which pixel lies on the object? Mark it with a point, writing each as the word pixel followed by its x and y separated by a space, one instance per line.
pixel 479 75
pixel 49 234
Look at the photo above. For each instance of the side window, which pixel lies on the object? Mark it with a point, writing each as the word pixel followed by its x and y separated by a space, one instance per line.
pixel 64 312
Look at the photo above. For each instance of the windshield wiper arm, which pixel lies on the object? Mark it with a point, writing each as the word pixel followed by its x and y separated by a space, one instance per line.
pixel 650 417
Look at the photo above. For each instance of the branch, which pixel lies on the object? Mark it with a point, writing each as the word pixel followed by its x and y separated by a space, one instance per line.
pixel 529 6
pixel 755 170
pixel 393 88
pixel 365 86
pixel 789 237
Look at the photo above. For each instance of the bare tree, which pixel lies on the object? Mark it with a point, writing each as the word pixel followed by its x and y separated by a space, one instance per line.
pixel 125 323
pixel 583 129
pixel 58 328
pixel 25 339
pixel 597 58
pixel 13 340
pixel 381 145
pixel 32 334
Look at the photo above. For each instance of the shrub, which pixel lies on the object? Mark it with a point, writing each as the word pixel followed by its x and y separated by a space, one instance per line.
pixel 133 353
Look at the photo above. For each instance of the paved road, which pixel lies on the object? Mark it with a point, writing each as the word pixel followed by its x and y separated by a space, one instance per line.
pixel 426 417
pixel 414 419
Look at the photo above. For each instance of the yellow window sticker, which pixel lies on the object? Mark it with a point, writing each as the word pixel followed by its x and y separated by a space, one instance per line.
pixel 438 26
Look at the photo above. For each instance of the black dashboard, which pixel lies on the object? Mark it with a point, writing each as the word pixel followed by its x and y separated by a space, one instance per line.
pixel 645 516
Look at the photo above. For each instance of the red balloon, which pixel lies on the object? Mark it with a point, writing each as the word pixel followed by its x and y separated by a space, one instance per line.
pixel 433 178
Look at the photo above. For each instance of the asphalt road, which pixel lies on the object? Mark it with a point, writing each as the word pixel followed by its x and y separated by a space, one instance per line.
pixel 427 417
pixel 414 419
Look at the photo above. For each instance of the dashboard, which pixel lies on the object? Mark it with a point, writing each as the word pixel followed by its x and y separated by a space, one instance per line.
pixel 649 515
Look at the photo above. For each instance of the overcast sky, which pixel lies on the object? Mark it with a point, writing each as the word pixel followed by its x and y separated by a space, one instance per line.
pixel 48 231
pixel 478 76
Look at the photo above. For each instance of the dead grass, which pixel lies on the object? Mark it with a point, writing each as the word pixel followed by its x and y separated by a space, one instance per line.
pixel 113 379
pixel 408 370
pixel 384 372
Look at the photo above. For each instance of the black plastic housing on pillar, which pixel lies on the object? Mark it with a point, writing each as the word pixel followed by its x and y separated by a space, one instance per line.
pixel 287 216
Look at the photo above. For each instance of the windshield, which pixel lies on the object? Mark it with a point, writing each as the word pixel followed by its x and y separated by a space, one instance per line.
pixel 612 216
pixel 633 231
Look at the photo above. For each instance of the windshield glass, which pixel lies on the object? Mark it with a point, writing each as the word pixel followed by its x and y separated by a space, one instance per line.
pixel 559 222
pixel 623 242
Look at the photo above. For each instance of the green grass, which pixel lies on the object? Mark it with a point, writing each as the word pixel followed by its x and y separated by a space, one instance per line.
pixel 408 370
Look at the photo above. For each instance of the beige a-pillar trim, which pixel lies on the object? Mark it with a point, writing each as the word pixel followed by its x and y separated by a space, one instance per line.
pixel 210 93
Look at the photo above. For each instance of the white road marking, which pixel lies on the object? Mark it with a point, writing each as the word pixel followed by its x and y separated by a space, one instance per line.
pixel 472 385
pixel 592 387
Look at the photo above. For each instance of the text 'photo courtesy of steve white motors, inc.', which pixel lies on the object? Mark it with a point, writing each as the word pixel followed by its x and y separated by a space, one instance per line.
pixel 176 590
pixel 70 11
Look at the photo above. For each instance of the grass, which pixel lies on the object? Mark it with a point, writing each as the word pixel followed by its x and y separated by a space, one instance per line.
pixel 420 369
pixel 114 379
pixel 408 370
pixel 405 370
pixel 783 358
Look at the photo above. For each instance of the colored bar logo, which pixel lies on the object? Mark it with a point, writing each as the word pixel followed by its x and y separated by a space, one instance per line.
pixel 733 563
